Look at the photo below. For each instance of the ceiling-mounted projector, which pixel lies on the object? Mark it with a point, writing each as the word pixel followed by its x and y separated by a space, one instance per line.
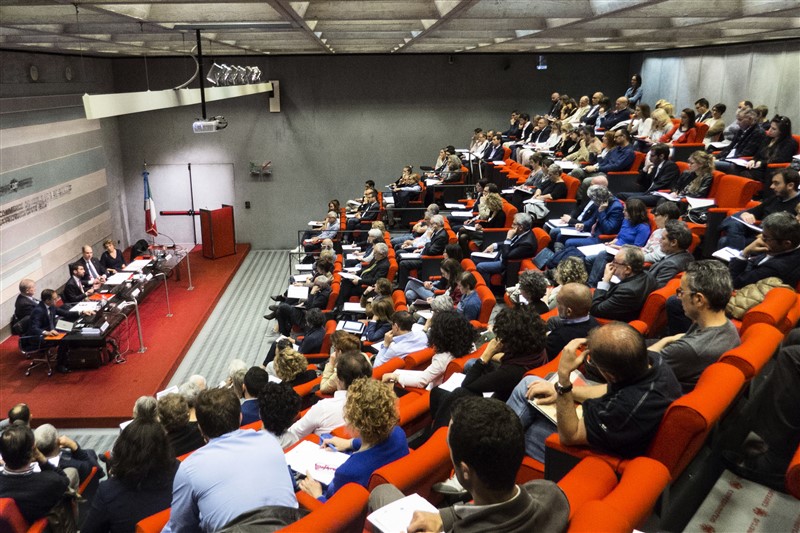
pixel 209 125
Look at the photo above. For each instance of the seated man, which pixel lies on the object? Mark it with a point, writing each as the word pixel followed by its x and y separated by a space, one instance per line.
pixel 326 415
pixel 623 301
pixel 658 173
pixel 619 158
pixel 175 415
pixel 23 306
pixel 774 420
pixel 620 417
pixel 620 113
pixel 419 229
pixel 94 271
pixel 435 246
pixel 675 241
pixel 75 289
pixel 254 380
pixel 573 321
pixel 369 210
pixel 238 470
pixel 786 188
pixel 520 243
pixel 35 493
pixel 746 142
pixel 43 323
pixel 487 446
pixel 704 292
pixel 775 252
pixel 64 452
pixel 376 269
pixel 401 341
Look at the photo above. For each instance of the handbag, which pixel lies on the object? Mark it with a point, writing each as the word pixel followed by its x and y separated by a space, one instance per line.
pixel 537 209
pixel 696 215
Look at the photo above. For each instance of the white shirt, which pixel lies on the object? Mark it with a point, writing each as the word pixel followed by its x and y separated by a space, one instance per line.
pixel 323 417
pixel 430 377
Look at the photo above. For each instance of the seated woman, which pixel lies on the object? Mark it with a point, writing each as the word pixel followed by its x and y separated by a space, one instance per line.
pixel 553 188
pixel 112 258
pixel 141 470
pixel 375 293
pixel 695 182
pixel 660 126
pixel 716 124
pixel 322 268
pixel 381 323
pixel 641 124
pixel 518 346
pixel 490 215
pixel 530 290
pixel 291 367
pixel 683 133
pixel 470 303
pixel 312 340
pixel 371 411
pixel 278 405
pixel 341 341
pixel 635 230
pixel 780 148
pixel 570 142
pixel 290 315
pixel 570 270
pixel 451 335
pixel 450 269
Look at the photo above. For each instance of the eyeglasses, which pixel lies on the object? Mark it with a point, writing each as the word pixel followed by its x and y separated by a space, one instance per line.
pixel 616 263
pixel 680 292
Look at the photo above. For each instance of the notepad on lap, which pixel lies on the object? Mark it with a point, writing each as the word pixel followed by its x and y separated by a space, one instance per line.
pixel 396 516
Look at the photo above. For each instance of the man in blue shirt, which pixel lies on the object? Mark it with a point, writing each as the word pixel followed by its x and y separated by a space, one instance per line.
pixel 618 159
pixel 401 341
pixel 237 470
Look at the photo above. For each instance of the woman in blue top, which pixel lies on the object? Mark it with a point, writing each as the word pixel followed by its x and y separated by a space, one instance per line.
pixel 634 92
pixel 635 230
pixel 381 322
pixel 370 410
pixel 470 303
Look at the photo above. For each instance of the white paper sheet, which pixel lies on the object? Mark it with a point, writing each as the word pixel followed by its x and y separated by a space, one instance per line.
pixel 320 462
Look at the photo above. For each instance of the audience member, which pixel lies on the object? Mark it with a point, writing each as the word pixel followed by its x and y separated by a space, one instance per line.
pixel 574 302
pixel 341 341
pixel 657 174
pixel 620 417
pixel 381 322
pixel 775 252
pixel 36 493
pixel 779 148
pixel 620 113
pixel 326 414
pixel 746 142
pixel 704 292
pixel 435 246
pixel 470 303
pixel 67 454
pixel 146 408
pixel 368 210
pixel 487 446
pixel 255 378
pixel 716 124
pixel 182 433
pixel 634 92
pixel 371 410
pixel 211 487
pixel 570 270
pixel 532 287
pixel 141 470
pixel 624 300
pixel 675 241
pixel 401 340
pixel 635 231
pixel 278 405
pixel 451 336
pixel 520 243
pixel 695 182
pixel 684 132
pixel 292 367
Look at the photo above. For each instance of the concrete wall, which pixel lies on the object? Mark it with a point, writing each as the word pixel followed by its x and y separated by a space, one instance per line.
pixel 343 119
pixel 765 73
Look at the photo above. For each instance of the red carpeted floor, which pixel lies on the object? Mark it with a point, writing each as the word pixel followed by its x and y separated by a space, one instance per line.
pixel 105 397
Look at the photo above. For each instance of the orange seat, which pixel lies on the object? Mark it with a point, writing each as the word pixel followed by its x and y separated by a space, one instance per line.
pixel 153 523
pixel 344 512
pixel 777 309
pixel 488 302
pixel 11 519
pixel 759 344
pixel 793 475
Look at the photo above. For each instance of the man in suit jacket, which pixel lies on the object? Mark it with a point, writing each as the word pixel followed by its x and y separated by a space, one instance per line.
pixel 93 269
pixel 623 301
pixel 435 246
pixel 675 241
pixel 621 113
pixel 74 289
pixel 747 141
pixel 775 252
pixel 590 117
pixel 520 243
pixel 369 210
pixel 494 152
pixel 657 174
pixel 43 323
pixel 23 306
pixel 378 268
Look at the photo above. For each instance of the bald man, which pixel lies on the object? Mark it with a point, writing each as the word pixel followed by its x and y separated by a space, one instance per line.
pixel 573 321
pixel 23 306
pixel 620 114
pixel 621 416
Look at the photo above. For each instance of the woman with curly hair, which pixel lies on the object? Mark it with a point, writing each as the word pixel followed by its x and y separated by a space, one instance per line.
pixel 570 270
pixel 695 182
pixel 141 471
pixel 292 367
pixel 371 412
pixel 451 335
pixel 278 405
pixel 532 287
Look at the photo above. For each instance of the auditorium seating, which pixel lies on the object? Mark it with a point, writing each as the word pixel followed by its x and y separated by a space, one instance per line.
pixel 488 302
pixel 12 520
pixel 153 523
pixel 793 475
pixel 625 180
pixel 343 513
pixel 759 344
pixel 779 309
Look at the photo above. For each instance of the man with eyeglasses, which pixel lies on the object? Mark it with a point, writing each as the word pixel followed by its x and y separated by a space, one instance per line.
pixel 775 252
pixel 617 159
pixel 624 300
pixel 786 196
pixel 520 243
pixel 704 292
pixel 620 416
pixel 369 210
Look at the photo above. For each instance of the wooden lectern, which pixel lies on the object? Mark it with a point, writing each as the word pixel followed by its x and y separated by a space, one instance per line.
pixel 218 232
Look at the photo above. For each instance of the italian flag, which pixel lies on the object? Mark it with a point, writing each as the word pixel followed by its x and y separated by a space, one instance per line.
pixel 149 208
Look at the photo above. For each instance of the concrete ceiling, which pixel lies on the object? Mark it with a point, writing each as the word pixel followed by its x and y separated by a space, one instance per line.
pixel 279 27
